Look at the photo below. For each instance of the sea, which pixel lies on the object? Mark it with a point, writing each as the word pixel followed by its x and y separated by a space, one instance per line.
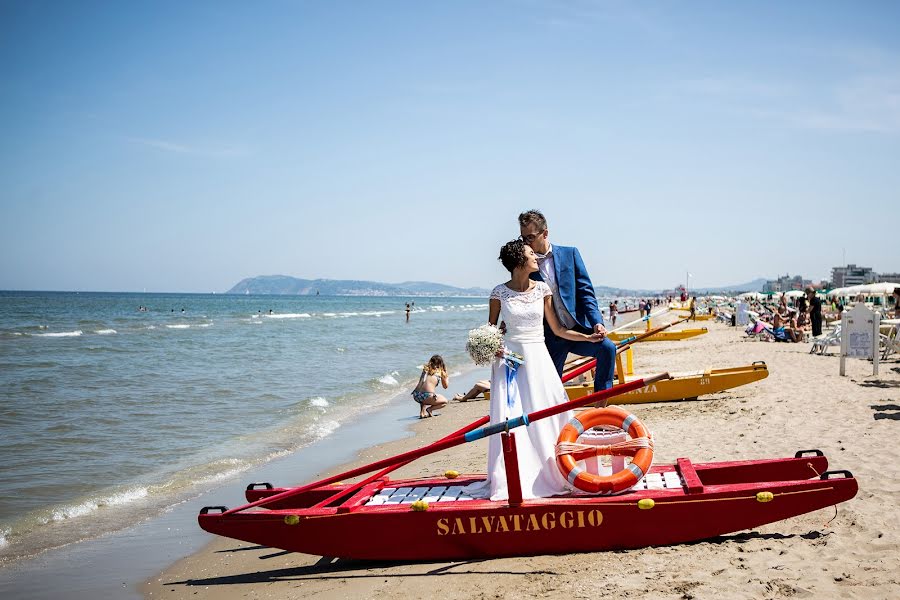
pixel 117 406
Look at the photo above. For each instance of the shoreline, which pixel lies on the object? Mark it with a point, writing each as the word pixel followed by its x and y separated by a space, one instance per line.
pixel 803 404
pixel 115 564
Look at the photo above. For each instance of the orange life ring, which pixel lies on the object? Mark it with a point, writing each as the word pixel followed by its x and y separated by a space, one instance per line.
pixel 603 484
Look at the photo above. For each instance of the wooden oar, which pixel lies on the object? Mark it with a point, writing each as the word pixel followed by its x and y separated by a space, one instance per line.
pixel 460 439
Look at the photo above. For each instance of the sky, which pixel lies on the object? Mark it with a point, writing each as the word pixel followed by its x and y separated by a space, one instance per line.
pixel 183 146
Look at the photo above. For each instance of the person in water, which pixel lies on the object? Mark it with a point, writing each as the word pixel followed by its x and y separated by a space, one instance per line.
pixel 433 373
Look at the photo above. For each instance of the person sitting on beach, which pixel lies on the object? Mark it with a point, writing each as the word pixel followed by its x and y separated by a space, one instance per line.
pixel 480 387
pixel 782 327
pixel 432 373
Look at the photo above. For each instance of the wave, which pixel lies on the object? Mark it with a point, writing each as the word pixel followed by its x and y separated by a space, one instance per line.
pixel 289 316
pixel 178 326
pixel 390 378
pixel 105 331
pixel 88 506
pixel 318 401
pixel 75 333
pixel 322 429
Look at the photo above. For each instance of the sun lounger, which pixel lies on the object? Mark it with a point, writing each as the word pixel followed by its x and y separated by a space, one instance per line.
pixel 821 344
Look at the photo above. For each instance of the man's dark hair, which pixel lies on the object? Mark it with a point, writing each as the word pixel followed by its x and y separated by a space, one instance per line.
pixel 533 216
pixel 512 254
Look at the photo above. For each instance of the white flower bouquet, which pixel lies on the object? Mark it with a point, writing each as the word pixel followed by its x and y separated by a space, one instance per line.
pixel 483 344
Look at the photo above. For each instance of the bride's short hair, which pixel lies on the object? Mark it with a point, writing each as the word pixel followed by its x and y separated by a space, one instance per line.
pixel 512 254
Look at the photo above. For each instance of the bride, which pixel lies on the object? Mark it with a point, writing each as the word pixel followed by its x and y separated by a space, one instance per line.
pixel 522 304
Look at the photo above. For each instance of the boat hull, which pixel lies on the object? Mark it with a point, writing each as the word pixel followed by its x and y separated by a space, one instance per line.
pixel 712 499
pixel 687 386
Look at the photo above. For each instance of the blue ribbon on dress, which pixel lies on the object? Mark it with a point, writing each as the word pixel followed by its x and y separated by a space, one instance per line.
pixel 512 364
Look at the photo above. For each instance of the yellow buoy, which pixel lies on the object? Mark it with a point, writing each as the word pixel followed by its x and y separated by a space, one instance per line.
pixel 419 505
pixel 291 520
pixel 764 496
pixel 646 503
pixel 451 474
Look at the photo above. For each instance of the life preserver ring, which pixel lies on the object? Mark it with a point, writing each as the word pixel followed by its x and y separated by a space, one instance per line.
pixel 603 484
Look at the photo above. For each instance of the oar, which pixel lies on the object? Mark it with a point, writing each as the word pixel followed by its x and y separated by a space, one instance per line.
pixel 460 439
pixel 356 486
pixel 622 345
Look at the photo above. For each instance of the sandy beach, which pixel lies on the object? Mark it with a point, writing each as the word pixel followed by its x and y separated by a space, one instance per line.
pixel 850 552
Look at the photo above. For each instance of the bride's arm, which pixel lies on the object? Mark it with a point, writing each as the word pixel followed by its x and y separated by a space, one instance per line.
pixel 493 311
pixel 561 331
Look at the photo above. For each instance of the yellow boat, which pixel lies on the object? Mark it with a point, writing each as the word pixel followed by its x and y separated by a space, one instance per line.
pixel 684 386
pixel 662 336
pixel 703 317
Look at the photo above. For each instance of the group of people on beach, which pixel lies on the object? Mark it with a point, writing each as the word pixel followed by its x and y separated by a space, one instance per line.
pixel 547 310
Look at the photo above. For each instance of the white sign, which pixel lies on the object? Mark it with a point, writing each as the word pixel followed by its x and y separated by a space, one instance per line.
pixel 859 335
pixel 741 311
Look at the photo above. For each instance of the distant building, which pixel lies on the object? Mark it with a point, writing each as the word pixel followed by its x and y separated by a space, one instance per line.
pixel 891 277
pixel 785 283
pixel 852 275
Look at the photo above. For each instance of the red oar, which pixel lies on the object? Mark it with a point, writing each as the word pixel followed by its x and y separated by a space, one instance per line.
pixel 356 486
pixel 461 439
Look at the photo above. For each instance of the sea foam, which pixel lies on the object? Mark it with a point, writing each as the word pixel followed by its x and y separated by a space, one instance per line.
pixel 389 379
pixel 75 333
pixel 88 506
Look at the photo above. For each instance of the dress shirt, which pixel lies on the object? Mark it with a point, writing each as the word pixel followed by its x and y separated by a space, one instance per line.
pixel 547 269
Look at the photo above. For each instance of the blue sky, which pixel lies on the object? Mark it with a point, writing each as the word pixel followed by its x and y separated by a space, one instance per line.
pixel 174 146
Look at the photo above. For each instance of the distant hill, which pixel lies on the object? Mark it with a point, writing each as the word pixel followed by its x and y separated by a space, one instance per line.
pixel 283 285
pixel 752 286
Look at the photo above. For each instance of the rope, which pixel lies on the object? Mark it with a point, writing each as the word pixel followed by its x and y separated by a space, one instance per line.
pixel 626 448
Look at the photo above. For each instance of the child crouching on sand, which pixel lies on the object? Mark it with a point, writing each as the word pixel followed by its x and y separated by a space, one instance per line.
pixel 433 373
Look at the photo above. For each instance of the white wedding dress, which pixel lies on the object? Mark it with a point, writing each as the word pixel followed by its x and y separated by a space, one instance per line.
pixel 539 387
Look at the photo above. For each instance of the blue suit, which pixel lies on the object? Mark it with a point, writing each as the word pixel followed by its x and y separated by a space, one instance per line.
pixel 577 293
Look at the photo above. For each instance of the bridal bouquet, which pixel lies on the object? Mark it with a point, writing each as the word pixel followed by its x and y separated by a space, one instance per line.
pixel 483 344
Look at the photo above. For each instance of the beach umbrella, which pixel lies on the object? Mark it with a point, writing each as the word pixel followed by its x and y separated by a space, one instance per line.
pixel 884 288
pixel 794 293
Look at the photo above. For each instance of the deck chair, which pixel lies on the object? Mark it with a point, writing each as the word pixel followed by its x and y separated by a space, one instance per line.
pixel 821 344
pixel 891 342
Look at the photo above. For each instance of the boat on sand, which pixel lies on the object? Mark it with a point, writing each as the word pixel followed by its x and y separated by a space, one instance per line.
pixel 431 518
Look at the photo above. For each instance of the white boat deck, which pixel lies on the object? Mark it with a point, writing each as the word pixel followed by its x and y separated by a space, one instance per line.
pixel 407 495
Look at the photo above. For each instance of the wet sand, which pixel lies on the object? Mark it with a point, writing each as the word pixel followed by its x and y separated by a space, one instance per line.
pixel 849 552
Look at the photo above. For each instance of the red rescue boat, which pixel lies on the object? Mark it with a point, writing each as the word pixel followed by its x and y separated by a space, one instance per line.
pixel 680 503
pixel 433 519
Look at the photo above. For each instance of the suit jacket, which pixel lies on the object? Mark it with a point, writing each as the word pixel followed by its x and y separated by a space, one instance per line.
pixel 575 287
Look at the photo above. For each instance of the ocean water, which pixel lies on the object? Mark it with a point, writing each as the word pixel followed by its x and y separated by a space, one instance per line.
pixel 110 415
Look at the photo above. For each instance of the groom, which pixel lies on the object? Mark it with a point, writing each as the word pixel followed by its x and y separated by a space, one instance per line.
pixel 561 268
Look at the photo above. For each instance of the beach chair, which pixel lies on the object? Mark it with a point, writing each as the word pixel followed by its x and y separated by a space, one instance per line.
pixel 821 344
pixel 891 342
